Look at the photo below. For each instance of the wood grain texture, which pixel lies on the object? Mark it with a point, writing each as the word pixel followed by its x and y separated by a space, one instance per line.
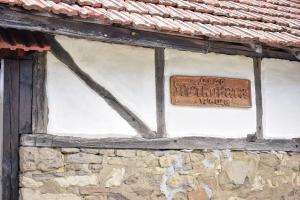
pixel 39 96
pixel 10 161
pixel 51 24
pixel 6 158
pixel 132 119
pixel 204 143
pixel 160 91
pixel 258 98
pixel 25 111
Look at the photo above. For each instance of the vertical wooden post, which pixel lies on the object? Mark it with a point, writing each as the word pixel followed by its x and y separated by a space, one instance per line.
pixel 39 97
pixel 160 91
pixel 25 125
pixel 17 112
pixel 10 164
pixel 258 95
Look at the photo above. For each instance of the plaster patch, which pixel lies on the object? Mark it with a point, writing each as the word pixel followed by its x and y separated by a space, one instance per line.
pixel 168 191
pixel 116 177
pixel 208 191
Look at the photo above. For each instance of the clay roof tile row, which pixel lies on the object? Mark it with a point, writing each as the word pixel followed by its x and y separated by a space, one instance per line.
pixel 273 22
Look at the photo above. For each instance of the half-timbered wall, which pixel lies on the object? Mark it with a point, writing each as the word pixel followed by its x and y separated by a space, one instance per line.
pixel 129 73
pixel 96 89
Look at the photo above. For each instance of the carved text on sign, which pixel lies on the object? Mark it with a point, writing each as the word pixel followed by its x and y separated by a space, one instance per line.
pixel 210 91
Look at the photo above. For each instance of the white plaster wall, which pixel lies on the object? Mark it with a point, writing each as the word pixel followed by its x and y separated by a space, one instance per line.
pixel 128 72
pixel 76 110
pixel 281 94
pixel 208 121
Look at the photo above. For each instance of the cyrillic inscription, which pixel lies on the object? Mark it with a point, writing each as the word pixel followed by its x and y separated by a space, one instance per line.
pixel 210 91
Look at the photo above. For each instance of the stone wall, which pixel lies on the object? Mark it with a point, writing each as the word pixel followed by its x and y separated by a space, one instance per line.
pixel 107 174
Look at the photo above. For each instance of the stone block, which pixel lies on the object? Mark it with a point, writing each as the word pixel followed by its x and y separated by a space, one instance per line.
pixel 29 194
pixel 83 158
pixel 198 195
pixel 49 159
pixel 27 182
pixel 126 153
pixel 77 180
pixel 28 158
pixel 115 178
pixel 91 190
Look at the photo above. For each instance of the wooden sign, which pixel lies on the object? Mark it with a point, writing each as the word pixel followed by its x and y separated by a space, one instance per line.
pixel 210 91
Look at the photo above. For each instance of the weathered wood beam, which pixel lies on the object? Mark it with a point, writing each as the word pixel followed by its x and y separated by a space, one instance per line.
pixel 256 48
pixel 39 96
pixel 258 98
pixel 205 143
pixel 10 146
pixel 133 120
pixel 296 54
pixel 53 24
pixel 25 110
pixel 160 91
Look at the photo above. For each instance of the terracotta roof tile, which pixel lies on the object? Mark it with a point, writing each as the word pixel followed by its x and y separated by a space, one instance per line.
pixel 25 40
pixel 267 21
pixel 136 7
pixel 113 4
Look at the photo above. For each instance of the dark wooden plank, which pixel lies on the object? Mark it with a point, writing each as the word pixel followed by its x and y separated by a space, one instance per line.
pixel 39 96
pixel 54 24
pixel 258 96
pixel 160 91
pixel 14 141
pixel 25 124
pixel 132 119
pixel 11 130
pixel 6 156
pixel 203 143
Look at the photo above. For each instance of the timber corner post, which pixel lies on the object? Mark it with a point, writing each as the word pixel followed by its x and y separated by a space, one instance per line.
pixel 24 113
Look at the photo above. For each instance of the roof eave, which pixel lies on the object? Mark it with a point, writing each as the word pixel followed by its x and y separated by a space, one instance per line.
pixel 53 24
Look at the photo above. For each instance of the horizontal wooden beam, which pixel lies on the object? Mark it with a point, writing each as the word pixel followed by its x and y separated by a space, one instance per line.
pixel 46 140
pixel 53 24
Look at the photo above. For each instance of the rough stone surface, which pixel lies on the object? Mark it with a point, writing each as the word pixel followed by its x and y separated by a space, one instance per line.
pixel 126 153
pixel 70 150
pixel 49 159
pixel 36 195
pixel 115 177
pixel 108 174
pixel 77 180
pixel 83 158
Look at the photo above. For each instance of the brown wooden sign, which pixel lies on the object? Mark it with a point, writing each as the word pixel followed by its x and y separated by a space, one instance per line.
pixel 210 91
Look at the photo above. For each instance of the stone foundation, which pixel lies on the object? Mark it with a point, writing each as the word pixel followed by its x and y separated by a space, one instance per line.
pixel 107 174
